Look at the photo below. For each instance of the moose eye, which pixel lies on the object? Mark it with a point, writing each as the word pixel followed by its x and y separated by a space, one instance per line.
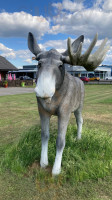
pixel 60 67
pixel 39 65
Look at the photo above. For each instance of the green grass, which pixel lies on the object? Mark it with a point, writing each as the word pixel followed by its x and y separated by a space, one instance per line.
pixel 90 158
pixel 86 165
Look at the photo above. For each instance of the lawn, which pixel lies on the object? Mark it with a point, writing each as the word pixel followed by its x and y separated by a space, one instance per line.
pixel 86 166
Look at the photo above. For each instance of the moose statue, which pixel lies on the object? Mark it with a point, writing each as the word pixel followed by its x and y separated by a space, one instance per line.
pixel 59 93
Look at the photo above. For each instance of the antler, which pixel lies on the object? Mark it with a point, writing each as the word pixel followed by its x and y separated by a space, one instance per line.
pixel 89 62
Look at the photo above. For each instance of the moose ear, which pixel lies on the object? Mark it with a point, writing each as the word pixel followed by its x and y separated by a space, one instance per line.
pixel 75 45
pixel 32 44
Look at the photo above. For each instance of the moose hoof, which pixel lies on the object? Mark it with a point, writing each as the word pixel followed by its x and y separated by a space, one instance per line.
pixel 78 137
pixel 56 172
pixel 43 164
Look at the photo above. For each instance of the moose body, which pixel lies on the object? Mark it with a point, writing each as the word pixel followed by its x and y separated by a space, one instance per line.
pixel 58 93
pixel 69 98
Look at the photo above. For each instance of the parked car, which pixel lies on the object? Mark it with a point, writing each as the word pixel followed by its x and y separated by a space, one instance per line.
pixel 84 78
pixel 94 78
pixel 108 78
pixel 25 78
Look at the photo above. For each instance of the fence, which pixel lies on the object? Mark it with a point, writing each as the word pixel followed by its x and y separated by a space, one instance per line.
pixel 17 83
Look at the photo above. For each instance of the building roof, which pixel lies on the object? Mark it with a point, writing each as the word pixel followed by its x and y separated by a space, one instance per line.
pixel 74 68
pixel 103 69
pixel 29 67
pixel 109 66
pixel 80 68
pixel 25 70
pixel 5 65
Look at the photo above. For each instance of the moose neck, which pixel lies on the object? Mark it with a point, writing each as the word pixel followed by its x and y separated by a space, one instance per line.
pixel 52 105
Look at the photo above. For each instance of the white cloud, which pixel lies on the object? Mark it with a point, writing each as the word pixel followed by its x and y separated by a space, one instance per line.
pixel 68 5
pixel 83 20
pixel 104 5
pixel 60 45
pixel 24 54
pixel 57 44
pixel 28 60
pixel 18 24
pixel 12 54
pixel 5 51
pixel 107 6
pixel 108 58
pixel 4 48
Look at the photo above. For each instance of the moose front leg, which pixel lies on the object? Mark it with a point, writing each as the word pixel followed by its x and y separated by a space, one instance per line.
pixel 60 143
pixel 44 140
pixel 45 118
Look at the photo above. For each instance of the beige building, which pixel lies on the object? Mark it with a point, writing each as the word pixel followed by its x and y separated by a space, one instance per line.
pixel 79 71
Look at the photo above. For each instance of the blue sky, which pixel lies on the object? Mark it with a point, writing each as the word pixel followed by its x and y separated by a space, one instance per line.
pixel 52 22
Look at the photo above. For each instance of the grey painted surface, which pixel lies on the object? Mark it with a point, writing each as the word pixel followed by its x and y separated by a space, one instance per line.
pixel 58 93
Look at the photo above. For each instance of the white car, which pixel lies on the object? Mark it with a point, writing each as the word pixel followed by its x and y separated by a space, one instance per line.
pixel 108 78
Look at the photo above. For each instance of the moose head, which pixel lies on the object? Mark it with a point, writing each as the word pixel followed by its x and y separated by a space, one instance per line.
pixel 51 63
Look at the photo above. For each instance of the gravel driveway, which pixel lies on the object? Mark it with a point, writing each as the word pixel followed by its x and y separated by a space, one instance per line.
pixel 15 90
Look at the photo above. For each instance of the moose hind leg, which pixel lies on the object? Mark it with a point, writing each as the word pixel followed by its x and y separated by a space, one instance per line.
pixel 79 121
